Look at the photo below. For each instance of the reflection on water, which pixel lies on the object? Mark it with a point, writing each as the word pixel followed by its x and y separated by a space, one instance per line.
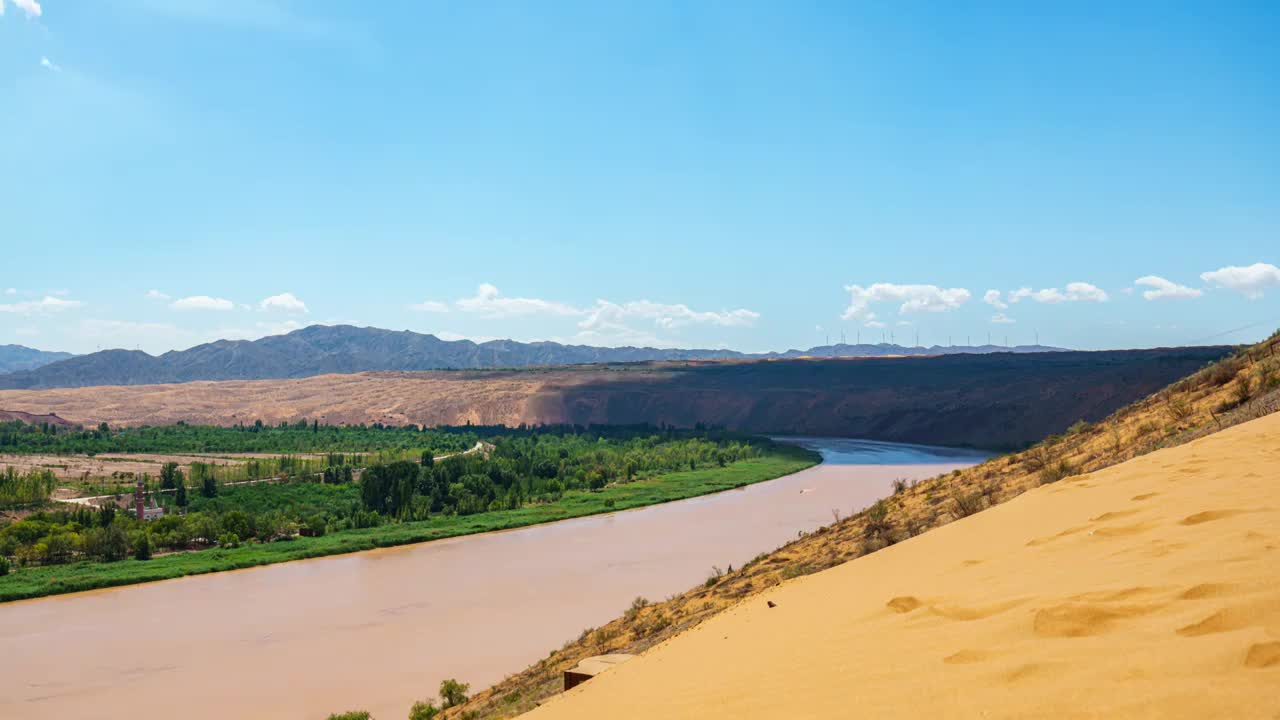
pixel 842 451
pixel 377 630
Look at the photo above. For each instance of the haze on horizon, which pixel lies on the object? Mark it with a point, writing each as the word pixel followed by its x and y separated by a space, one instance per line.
pixel 757 177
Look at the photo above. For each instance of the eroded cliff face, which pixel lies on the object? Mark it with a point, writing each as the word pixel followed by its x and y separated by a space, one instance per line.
pixel 990 401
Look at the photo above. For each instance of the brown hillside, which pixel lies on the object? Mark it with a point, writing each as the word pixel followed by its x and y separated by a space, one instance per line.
pixel 1237 389
pixel 998 400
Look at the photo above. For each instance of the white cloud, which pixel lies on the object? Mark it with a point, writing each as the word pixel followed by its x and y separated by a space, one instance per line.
pixel 1250 280
pixel 664 316
pixel 489 303
pixel 904 323
pixel 202 302
pixel 604 321
pixel 1075 292
pixel 47 304
pixel 156 295
pixel 914 298
pixel 1002 319
pixel 992 298
pixel 874 324
pixel 30 7
pixel 431 306
pixel 285 302
pixel 1165 289
pixel 11 291
pixel 49 64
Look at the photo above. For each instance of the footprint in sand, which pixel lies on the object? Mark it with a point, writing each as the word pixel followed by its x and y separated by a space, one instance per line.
pixel 1209 516
pixel 966 657
pixel 1084 619
pixel 1113 515
pixel 904 604
pixel 1115 595
pixel 1262 655
pixel 1027 672
pixel 1224 620
pixel 1205 591
pixel 1144 496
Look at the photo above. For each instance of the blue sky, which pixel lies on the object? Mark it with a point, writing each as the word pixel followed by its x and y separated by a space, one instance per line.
pixel 752 175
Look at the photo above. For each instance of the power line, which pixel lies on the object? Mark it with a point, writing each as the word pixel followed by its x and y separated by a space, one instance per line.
pixel 1250 326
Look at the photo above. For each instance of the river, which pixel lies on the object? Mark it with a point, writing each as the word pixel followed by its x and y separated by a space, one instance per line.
pixel 377 630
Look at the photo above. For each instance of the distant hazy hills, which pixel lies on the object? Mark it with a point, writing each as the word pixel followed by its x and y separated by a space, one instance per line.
pixel 18 357
pixel 321 349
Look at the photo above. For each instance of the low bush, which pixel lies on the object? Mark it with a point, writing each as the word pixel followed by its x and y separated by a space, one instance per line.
pixel 636 606
pixel 1055 472
pixel 965 504
pixel 423 710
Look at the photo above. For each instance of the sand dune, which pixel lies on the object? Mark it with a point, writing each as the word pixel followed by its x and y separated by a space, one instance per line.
pixel 1148 589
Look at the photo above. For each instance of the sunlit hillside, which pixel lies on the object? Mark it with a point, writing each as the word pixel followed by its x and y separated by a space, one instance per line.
pixel 1237 389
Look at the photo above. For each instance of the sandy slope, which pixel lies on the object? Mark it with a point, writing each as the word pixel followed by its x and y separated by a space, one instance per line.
pixel 1149 589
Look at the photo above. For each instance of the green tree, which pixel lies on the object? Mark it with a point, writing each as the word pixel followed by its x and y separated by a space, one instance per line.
pixel 168 475
pixel 180 487
pixel 453 693
pixel 209 486
pixel 423 710
pixel 142 546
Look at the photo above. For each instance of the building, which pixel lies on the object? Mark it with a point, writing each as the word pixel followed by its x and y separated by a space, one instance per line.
pixel 140 506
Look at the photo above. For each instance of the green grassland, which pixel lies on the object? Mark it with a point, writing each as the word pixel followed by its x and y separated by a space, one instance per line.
pixel 55 579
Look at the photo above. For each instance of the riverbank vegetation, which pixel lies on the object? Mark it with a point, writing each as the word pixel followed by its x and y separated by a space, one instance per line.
pixel 511 478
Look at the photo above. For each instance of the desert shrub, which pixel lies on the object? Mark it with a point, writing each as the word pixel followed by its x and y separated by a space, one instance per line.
pixel 872 544
pixel 1242 391
pixel 453 693
pixel 1224 372
pixel 655 623
pixel 797 570
pixel 714 577
pixel 1037 458
pixel 605 634
pixel 1055 472
pixel 636 606
pixel 4 566
pixel 1078 427
pixel 877 520
pixel 423 710
pixel 351 715
pixel 965 504
pixel 899 485
pixel 1177 407
pixel 1145 428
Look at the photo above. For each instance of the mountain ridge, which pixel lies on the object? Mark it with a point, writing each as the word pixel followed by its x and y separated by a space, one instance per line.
pixel 325 349
pixel 15 358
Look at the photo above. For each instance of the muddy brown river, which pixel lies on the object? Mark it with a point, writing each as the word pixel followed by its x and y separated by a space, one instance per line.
pixel 377 630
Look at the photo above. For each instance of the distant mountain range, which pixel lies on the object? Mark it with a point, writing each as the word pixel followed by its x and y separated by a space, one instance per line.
pixel 322 349
pixel 20 357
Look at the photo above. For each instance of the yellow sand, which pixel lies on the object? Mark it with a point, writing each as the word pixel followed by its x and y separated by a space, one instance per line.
pixel 1149 589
